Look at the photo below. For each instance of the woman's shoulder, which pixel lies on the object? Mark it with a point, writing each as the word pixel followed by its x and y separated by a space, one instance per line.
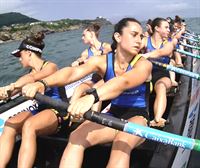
pixel 107 47
pixel 84 54
pixel 143 62
pixel 49 65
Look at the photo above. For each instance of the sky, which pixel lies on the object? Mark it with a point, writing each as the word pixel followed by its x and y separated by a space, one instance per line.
pixel 47 10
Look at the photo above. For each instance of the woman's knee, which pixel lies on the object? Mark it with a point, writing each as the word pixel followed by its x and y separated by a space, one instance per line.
pixel 28 128
pixel 10 128
pixel 79 137
pixel 160 86
pixel 127 143
pixel 7 131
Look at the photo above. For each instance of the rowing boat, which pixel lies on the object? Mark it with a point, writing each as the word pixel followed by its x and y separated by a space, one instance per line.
pixel 183 107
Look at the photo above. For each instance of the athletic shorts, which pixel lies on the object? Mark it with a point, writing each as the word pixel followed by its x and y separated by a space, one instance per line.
pixel 61 120
pixel 96 78
pixel 158 74
pixel 126 113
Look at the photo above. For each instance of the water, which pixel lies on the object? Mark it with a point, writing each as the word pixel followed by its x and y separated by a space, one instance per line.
pixel 61 48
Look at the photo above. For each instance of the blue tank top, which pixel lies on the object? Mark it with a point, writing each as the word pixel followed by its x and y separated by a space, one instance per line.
pixel 134 97
pixel 90 53
pixel 163 59
pixel 53 93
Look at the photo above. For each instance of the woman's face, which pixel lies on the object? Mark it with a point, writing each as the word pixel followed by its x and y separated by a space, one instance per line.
pixel 176 26
pixel 131 38
pixel 163 29
pixel 24 58
pixel 148 28
pixel 87 37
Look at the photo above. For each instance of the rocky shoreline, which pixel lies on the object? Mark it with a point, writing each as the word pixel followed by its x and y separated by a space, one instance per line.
pixel 20 31
pixel 7 36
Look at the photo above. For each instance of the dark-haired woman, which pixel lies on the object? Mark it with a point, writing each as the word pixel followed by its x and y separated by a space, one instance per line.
pixel 124 85
pixel 90 37
pixel 160 77
pixel 148 28
pixel 39 121
pixel 163 45
pixel 96 48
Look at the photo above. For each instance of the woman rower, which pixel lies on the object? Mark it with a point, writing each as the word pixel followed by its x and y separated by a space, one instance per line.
pixel 90 37
pixel 96 48
pixel 41 121
pixel 125 84
pixel 160 78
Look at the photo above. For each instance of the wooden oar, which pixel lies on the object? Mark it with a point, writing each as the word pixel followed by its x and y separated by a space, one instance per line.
pixel 125 126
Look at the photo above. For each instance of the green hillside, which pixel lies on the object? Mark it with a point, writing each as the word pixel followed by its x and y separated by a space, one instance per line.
pixel 8 19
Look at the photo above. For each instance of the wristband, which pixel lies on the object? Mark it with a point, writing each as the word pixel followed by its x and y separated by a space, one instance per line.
pixel 93 92
pixel 80 62
pixel 44 83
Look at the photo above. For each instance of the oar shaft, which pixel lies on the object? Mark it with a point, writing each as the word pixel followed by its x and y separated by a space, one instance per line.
pixel 142 131
pixel 161 136
pixel 191 39
pixel 193 35
pixel 177 70
pixel 122 125
pixel 188 53
pixel 190 46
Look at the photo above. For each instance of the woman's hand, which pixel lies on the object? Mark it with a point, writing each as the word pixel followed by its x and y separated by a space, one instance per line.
pixel 6 91
pixel 3 93
pixel 78 62
pixel 31 89
pixel 78 107
pixel 146 55
pixel 75 63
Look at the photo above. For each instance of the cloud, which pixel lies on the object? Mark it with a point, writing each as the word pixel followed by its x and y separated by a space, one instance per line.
pixel 10 5
pixel 21 6
pixel 173 7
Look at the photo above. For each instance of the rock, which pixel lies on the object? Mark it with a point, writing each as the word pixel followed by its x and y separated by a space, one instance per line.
pixel 5 36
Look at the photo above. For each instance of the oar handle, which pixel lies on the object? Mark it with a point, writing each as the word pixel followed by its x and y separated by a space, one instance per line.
pixel 90 115
pixel 188 53
pixel 177 70
pixel 125 126
pixel 55 103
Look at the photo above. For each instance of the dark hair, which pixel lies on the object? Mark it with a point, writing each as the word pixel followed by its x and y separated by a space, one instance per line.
pixel 177 19
pixel 36 40
pixel 149 22
pixel 94 28
pixel 169 18
pixel 119 27
pixel 157 22
pixel 33 43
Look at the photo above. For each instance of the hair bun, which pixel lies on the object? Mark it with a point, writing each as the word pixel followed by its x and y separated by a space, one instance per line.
pixel 39 36
pixel 96 27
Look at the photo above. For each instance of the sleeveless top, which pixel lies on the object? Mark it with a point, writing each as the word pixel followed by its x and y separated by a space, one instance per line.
pixel 52 92
pixel 163 59
pixel 90 53
pixel 95 76
pixel 134 97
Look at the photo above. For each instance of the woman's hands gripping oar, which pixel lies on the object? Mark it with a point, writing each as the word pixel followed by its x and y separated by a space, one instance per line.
pixel 125 126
